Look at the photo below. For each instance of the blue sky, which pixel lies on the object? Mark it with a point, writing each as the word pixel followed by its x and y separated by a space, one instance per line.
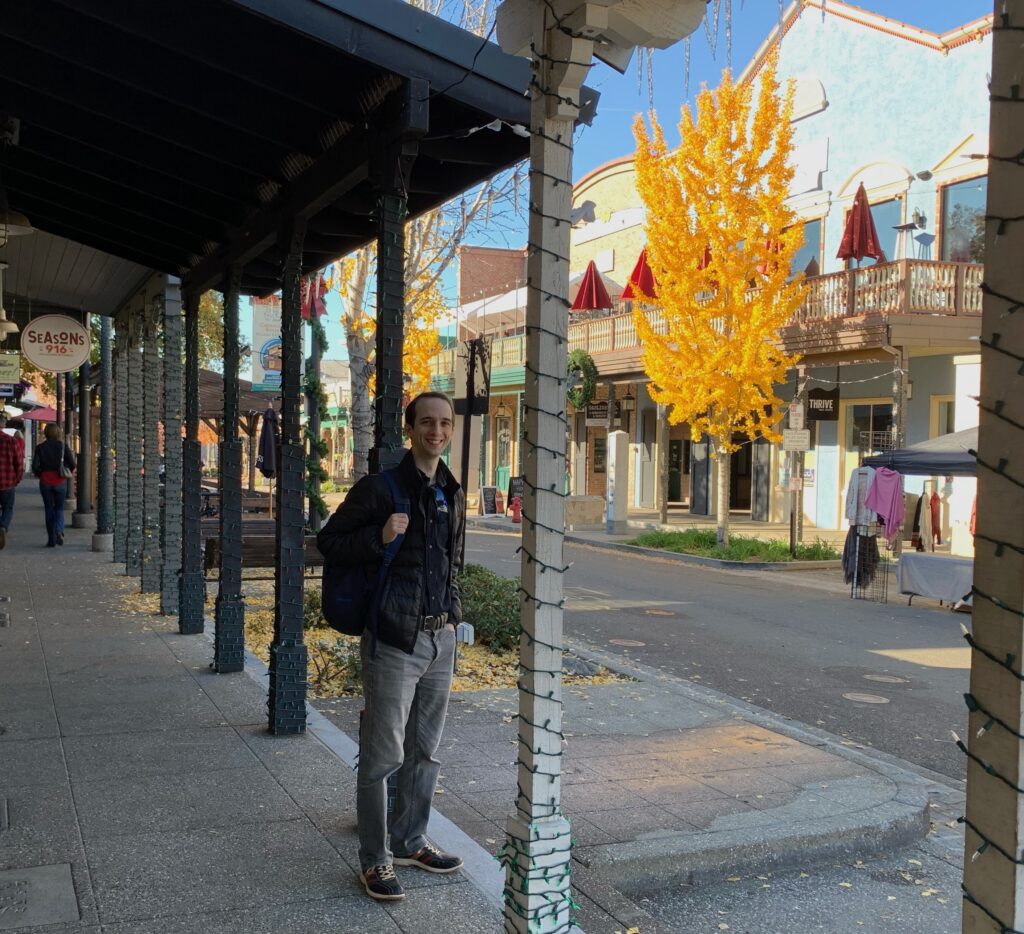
pixel 625 95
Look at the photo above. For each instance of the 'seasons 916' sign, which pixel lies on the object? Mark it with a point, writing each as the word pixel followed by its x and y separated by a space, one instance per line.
pixel 55 343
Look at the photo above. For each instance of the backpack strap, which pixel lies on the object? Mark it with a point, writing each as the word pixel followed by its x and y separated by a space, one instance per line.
pixel 403 505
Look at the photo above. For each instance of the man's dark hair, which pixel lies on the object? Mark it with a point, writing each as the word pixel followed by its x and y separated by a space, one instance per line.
pixel 410 409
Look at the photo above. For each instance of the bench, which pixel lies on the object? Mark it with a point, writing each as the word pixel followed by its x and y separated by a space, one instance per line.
pixel 251 502
pixel 258 551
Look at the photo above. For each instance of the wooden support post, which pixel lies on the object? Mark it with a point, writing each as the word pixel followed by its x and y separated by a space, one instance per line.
pixel 103 539
pixel 84 517
pixel 390 337
pixel 407 116
pixel 171 505
pixel 71 503
pixel 899 396
pixel 314 519
pixel 994 822
pixel 152 557
pixel 193 589
pixel 229 638
pixel 288 655
pixel 121 470
pixel 133 560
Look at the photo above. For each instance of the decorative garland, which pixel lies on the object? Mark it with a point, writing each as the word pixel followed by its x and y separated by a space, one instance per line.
pixel 581 363
pixel 316 474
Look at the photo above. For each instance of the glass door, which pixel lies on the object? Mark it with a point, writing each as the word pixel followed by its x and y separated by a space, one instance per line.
pixel 502 451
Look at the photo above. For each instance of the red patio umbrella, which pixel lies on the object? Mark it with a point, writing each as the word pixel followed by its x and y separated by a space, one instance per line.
pixel 860 238
pixel 641 278
pixel 43 414
pixel 592 295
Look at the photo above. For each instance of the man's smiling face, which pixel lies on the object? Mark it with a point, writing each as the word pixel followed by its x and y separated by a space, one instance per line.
pixel 432 426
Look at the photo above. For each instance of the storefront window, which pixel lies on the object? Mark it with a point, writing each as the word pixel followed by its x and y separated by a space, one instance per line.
pixel 875 418
pixel 963 221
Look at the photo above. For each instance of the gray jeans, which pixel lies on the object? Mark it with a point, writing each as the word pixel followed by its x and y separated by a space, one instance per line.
pixel 406 702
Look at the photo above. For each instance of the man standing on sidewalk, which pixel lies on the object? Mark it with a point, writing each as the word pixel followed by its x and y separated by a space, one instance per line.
pixel 12 465
pixel 406 682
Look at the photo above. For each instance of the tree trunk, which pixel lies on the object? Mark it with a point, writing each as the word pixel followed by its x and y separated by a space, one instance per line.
pixel 662 448
pixel 724 459
pixel 360 414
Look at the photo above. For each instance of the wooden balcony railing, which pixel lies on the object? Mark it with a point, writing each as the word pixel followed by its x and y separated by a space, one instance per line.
pixel 910 286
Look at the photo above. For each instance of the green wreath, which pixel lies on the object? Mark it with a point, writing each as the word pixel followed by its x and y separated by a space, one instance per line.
pixel 582 379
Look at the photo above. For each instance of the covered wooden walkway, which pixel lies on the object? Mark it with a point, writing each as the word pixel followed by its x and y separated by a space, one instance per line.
pixel 239 146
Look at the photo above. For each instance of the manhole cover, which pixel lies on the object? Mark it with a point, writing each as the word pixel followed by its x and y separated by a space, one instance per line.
pixel 887 679
pixel 628 643
pixel 655 611
pixel 866 698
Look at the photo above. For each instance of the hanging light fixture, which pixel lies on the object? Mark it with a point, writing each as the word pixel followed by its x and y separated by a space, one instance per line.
pixel 6 327
pixel 12 223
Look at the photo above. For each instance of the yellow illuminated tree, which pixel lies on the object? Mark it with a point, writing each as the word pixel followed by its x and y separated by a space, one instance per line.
pixel 720 241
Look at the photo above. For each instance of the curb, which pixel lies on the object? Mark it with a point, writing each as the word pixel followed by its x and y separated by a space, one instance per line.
pixel 707 857
pixel 719 563
pixel 696 560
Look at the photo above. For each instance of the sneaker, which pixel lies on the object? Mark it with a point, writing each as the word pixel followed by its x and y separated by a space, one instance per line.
pixel 382 884
pixel 429 857
pixel 60 538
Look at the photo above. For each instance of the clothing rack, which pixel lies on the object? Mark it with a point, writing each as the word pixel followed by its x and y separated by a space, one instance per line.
pixel 872 564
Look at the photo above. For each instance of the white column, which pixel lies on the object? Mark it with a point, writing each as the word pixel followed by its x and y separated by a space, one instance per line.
pixel 558 37
pixel 537 848
pixel 617 496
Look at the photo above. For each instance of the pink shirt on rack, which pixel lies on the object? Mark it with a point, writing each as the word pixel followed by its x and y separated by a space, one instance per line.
pixel 886 498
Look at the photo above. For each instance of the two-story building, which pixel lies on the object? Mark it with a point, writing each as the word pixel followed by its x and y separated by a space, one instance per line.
pixel 897 108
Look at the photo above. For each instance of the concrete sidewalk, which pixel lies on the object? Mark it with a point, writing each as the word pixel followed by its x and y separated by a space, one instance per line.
pixel 140 792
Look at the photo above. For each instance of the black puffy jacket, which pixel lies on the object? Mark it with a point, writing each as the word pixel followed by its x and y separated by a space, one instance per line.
pixel 354 535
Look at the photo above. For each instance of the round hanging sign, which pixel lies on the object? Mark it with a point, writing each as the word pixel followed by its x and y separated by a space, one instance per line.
pixel 55 343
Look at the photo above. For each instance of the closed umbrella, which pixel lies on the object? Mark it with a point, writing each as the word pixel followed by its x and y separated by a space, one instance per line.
pixel 266 457
pixel 591 294
pixel 641 280
pixel 860 238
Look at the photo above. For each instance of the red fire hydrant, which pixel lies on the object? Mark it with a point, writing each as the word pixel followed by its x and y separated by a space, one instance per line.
pixel 516 505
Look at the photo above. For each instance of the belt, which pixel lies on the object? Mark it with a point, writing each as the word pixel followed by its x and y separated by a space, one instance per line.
pixel 434 623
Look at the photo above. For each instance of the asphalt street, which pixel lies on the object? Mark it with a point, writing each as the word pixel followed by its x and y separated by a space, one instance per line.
pixel 886 676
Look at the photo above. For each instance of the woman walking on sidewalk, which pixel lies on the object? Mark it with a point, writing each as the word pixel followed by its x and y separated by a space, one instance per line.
pixel 53 463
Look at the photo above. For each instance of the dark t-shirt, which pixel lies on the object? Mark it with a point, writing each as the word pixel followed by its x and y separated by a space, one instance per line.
pixel 436 595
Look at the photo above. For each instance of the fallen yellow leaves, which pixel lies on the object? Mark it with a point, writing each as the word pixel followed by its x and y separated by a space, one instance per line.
pixel 334 659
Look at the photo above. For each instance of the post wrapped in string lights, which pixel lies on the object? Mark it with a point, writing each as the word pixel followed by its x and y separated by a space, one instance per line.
pixel 994 821
pixel 560 37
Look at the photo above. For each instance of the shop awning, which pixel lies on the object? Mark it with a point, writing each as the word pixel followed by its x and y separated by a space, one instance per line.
pixel 949 455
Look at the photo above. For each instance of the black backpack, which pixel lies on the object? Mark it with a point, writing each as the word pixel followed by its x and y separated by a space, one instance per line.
pixel 351 594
